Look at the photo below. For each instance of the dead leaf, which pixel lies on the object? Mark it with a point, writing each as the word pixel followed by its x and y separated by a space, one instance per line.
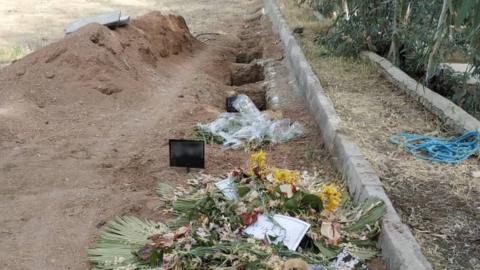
pixel 181 232
pixel 145 252
pixel 249 218
pixel 162 241
pixel 296 264
pixel 331 231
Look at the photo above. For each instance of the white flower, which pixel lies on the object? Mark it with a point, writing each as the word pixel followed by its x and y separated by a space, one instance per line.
pixel 273 203
pixel 250 257
pixel 241 208
pixel 202 233
pixel 252 195
pixel 287 189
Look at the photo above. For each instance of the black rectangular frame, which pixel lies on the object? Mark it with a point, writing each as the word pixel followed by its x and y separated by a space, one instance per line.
pixel 200 164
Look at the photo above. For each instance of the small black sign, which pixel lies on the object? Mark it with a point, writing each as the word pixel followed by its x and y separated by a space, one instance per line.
pixel 187 153
pixel 229 104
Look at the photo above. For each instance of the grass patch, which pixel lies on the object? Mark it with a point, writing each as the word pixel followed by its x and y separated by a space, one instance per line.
pixel 14 52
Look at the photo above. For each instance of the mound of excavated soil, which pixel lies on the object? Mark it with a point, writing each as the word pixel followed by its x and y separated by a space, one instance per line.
pixel 96 62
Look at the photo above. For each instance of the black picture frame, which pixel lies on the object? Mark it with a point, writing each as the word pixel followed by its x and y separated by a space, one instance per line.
pixel 187 153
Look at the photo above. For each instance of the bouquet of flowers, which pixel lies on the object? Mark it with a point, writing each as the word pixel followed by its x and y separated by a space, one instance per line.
pixel 211 220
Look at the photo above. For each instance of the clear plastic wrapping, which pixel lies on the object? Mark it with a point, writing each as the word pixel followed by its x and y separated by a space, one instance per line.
pixel 251 125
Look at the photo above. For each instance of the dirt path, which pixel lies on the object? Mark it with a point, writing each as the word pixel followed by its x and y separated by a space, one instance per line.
pixel 439 202
pixel 70 163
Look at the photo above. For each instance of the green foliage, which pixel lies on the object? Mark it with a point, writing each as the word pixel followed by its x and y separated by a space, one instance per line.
pixel 116 246
pixel 206 229
pixel 310 201
pixel 468 15
pixel 242 190
pixel 472 102
pixel 362 253
pixel 207 137
pixel 164 190
pixel 326 7
pixel 368 27
pixel 415 35
pixel 14 52
pixel 371 212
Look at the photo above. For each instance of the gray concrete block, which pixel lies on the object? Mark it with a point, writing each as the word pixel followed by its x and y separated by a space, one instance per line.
pixel 343 149
pixel 445 109
pixel 327 122
pixel 359 176
pixel 363 170
pixel 296 60
pixel 396 237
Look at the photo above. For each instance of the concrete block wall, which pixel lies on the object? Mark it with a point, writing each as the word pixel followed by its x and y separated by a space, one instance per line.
pixel 453 115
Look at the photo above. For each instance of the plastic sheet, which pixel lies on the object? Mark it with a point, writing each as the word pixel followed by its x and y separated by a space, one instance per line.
pixel 251 125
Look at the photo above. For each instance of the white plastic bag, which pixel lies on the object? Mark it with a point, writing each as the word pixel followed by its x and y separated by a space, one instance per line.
pixel 243 104
pixel 251 125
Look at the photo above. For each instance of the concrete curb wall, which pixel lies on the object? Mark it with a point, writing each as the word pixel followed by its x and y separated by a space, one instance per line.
pixel 399 248
pixel 448 111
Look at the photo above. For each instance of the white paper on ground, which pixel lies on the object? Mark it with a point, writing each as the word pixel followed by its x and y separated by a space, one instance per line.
pixel 227 187
pixel 284 229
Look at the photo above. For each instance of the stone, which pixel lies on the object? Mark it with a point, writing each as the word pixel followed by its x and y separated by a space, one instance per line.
pixel 109 19
pixel 460 69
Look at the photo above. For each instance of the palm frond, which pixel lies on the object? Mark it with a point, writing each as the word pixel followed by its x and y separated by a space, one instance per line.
pixel 178 222
pixel 184 205
pixel 164 190
pixel 361 253
pixel 372 211
pixel 116 246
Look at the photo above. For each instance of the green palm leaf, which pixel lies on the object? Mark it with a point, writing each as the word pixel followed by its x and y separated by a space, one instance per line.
pixel 116 246
pixel 372 211
pixel 164 190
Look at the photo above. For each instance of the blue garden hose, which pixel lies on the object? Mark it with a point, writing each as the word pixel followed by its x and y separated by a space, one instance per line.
pixel 450 151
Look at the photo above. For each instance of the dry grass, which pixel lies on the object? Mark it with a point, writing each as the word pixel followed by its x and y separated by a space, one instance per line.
pixel 10 52
pixel 439 202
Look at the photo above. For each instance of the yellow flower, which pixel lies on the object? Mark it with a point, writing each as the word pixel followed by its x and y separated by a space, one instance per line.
pixel 258 159
pixel 330 197
pixel 285 176
pixel 257 163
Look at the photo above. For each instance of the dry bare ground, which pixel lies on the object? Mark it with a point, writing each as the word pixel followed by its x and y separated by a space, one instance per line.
pixel 440 203
pixel 84 128
pixel 28 25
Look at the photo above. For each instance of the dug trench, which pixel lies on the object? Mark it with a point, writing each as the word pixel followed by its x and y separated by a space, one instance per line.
pixel 85 124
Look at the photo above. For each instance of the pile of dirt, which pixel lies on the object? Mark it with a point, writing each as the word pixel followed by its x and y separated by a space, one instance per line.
pixel 96 62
